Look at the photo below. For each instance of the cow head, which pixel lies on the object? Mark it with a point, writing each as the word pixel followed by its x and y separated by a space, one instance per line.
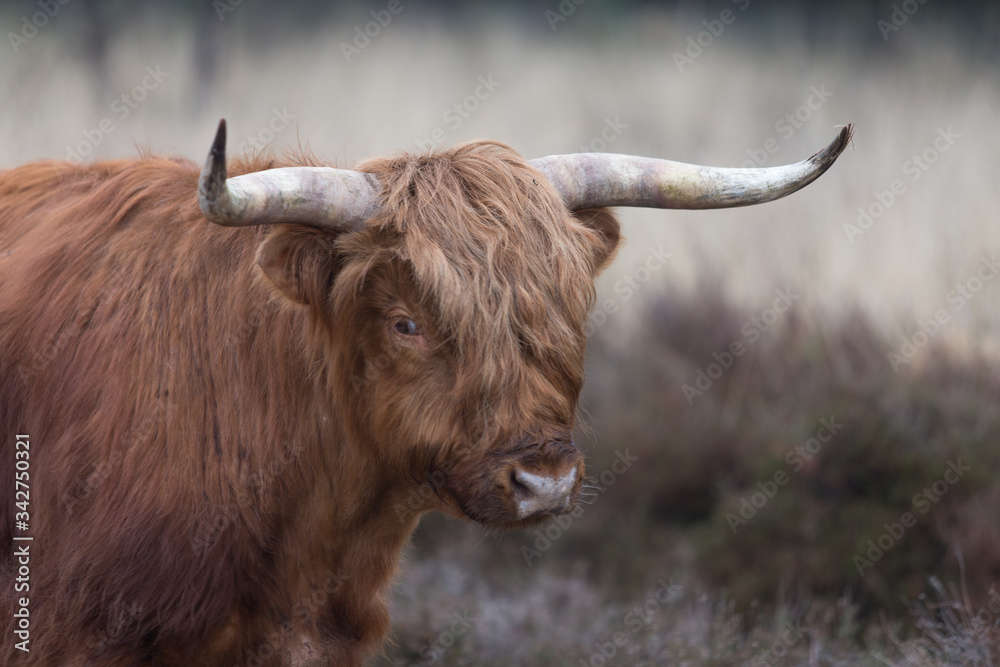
pixel 451 292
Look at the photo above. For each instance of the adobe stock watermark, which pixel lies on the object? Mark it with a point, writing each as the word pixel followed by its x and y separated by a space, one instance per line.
pixel 627 287
pixel 38 362
pixel 566 9
pixel 913 169
pixel 247 327
pixel 363 35
pixel 419 497
pixel 97 473
pixel 796 458
pixel 697 44
pixel 374 367
pixel 276 124
pixel 38 20
pixel 779 648
pixel 122 617
pixel 987 615
pixel 787 125
pixel 459 112
pixel 303 612
pixel 121 108
pixel 552 531
pixel 752 330
pixel 901 13
pixel 223 7
pixel 433 651
pixel 930 327
pixel 609 134
pixel 634 620
pixel 228 514
pixel 923 502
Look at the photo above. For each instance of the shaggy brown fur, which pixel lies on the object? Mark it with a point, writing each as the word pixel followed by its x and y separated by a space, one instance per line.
pixel 231 439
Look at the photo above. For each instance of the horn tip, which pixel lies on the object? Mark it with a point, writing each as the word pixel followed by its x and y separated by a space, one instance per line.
pixel 217 154
pixel 212 183
pixel 219 144
pixel 845 137
pixel 829 155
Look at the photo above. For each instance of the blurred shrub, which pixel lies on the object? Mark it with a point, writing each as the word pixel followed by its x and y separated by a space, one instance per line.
pixel 776 514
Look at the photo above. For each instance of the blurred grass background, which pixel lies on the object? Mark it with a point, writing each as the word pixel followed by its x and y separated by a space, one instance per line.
pixel 612 76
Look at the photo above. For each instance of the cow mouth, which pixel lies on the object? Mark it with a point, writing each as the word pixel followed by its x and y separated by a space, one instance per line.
pixel 516 483
pixel 507 520
pixel 514 498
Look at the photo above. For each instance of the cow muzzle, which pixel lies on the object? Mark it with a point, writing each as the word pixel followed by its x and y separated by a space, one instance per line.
pixel 546 481
pixel 517 483
pixel 538 493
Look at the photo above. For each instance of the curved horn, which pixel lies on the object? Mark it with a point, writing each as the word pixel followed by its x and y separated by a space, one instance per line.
pixel 337 199
pixel 588 180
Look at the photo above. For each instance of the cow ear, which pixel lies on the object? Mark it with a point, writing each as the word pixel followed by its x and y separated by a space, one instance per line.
pixel 300 262
pixel 608 232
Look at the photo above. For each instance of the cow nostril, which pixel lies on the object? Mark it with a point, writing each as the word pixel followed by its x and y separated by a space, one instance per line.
pixel 517 485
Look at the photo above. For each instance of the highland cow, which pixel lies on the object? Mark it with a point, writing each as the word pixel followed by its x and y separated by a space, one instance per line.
pixel 234 397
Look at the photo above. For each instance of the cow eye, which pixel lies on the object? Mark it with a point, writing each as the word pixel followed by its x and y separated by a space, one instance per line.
pixel 406 327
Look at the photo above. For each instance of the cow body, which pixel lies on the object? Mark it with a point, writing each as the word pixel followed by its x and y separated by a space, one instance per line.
pixel 209 480
pixel 180 484
pixel 234 431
